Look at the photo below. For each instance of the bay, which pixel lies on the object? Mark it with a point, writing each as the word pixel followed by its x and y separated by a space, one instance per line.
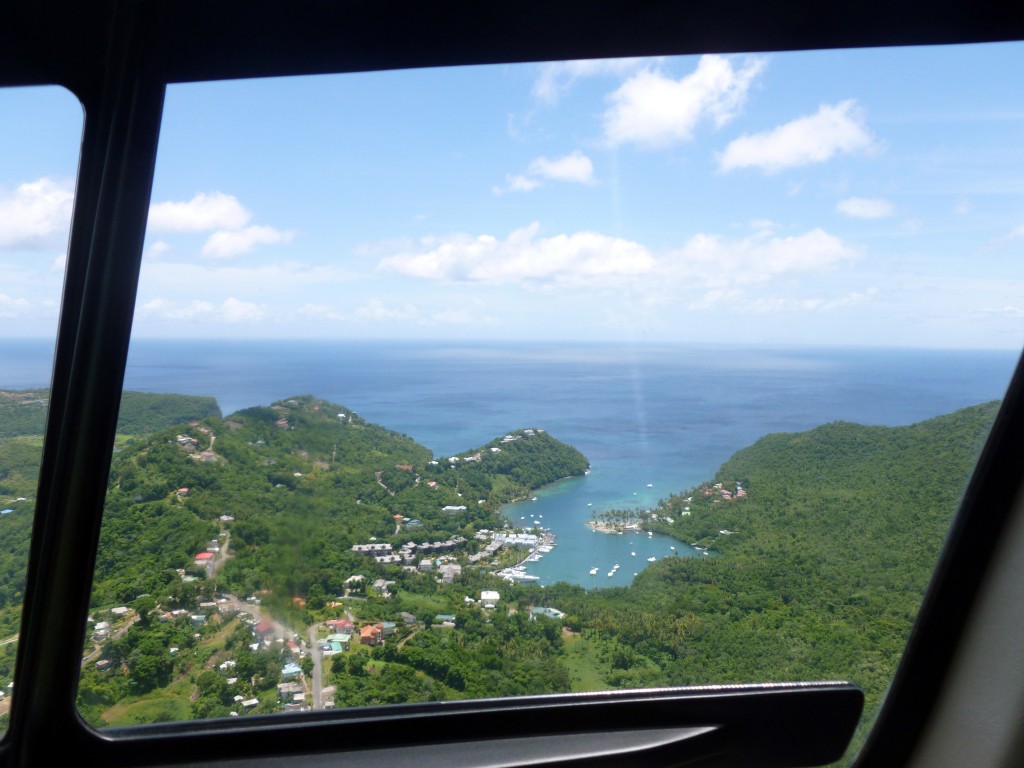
pixel 652 419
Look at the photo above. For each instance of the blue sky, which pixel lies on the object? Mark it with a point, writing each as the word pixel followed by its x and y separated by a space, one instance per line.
pixel 866 197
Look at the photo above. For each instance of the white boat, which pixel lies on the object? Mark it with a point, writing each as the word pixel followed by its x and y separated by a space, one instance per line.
pixel 534 498
pixel 610 574
pixel 651 559
pixel 632 554
pixel 593 571
pixel 671 547
pixel 650 485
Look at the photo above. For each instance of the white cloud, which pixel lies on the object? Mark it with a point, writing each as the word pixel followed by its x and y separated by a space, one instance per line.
pixel 11 307
pixel 320 312
pixel 157 249
pixel 763 272
pixel 760 257
pixel 654 111
pixel 517 184
pixel 167 310
pixel 231 310
pixel 226 244
pixel 235 311
pixel 34 212
pixel 556 78
pixel 865 207
pixel 1014 313
pixel 59 263
pixel 755 273
pixel 770 305
pixel 575 168
pixel 580 258
pixel 375 311
pixel 461 317
pixel 202 213
pixel 831 131
pixel 181 278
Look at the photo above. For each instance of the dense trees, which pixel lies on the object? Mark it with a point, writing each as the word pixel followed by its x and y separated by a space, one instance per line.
pixel 820 543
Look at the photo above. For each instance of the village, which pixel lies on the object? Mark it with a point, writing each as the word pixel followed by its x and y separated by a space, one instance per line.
pixel 301 653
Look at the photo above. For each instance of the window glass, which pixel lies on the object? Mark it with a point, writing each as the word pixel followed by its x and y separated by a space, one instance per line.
pixel 509 380
pixel 40 131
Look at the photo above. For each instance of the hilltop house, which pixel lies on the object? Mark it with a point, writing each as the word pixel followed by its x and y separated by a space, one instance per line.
pixel 370 635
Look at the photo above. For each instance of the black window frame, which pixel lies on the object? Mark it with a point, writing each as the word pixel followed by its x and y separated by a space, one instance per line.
pixel 117 57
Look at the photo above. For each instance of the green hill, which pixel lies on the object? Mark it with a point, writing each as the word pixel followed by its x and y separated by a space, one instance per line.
pixel 302 481
pixel 820 546
pixel 23 412
pixel 815 571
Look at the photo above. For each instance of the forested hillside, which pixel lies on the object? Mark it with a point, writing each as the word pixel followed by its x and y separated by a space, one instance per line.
pixel 815 551
pixel 821 546
pixel 23 412
pixel 22 422
pixel 301 481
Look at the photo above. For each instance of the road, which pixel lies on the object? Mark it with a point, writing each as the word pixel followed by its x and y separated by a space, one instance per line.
pixel 317 691
pixel 317 682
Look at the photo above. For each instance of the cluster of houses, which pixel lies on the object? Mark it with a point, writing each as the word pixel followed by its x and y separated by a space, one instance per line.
pixel 498 539
pixel 206 558
pixel 190 445
pixel 725 493
pixel 479 455
pixel 291 691
pixel 410 554
pixel 343 634
pixel 525 433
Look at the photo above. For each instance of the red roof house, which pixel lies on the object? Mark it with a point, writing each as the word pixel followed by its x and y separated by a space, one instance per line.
pixel 370 635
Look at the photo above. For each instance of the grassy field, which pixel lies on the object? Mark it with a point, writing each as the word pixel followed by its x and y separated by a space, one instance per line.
pixel 584 665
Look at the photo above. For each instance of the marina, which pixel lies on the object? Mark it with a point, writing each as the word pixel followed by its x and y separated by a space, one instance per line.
pixel 566 509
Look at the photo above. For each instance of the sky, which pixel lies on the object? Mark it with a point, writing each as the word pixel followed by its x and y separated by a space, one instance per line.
pixel 864 197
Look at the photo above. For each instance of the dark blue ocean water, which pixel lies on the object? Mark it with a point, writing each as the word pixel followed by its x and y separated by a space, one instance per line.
pixel 652 419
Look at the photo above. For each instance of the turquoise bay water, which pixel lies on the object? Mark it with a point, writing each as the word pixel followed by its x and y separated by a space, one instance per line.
pixel 662 415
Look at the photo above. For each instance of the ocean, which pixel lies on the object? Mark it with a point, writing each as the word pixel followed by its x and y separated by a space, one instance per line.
pixel 652 419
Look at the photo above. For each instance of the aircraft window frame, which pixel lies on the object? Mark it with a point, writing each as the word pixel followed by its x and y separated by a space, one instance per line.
pixel 130 55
